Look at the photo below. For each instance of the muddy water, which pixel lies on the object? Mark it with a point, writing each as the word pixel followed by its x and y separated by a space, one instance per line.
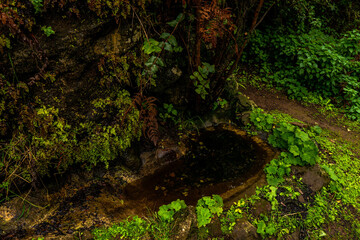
pixel 221 160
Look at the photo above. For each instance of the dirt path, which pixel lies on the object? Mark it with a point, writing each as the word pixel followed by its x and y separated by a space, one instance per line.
pixel 269 100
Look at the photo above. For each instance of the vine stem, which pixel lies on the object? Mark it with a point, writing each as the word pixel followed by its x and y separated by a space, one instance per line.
pixel 142 25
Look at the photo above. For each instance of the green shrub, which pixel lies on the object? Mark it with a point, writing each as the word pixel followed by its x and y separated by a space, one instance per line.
pixel 166 212
pixel 130 229
pixel 306 62
pixel 301 149
pixel 207 207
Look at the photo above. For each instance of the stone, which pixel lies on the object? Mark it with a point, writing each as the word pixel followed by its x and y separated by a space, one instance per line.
pixel 294 236
pixel 188 219
pixel 132 159
pixel 244 230
pixel 314 178
pixel 261 207
pixel 214 228
pixel 243 103
pixel 245 117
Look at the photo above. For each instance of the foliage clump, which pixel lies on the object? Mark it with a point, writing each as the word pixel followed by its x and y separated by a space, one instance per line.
pixel 311 58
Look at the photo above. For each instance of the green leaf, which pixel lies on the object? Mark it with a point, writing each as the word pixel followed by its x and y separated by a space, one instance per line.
pixel 151 46
pixel 203 216
pixel 164 35
pixel 178 19
pixel 331 173
pixel 271 169
pixel 317 129
pixel 165 213
pixel 274 181
pixel 172 41
pixel 261 226
pixel 270 229
pixel 294 150
pixel 302 135
pixel 168 47
pixel 151 61
pixel 176 205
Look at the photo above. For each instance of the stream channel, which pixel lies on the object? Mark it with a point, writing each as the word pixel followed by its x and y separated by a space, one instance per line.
pixel 220 160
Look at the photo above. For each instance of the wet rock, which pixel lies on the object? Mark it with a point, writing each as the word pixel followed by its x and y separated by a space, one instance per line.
pixel 244 230
pixel 132 159
pixel 243 103
pixel 294 236
pixel 168 151
pixel 214 118
pixel 147 157
pixel 168 80
pixel 261 207
pixel 245 117
pixel 187 220
pixel 215 228
pixel 314 178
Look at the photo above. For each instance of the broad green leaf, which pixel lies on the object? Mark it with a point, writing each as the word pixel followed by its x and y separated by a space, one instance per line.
pixel 271 169
pixel 302 135
pixel 203 216
pixel 178 19
pixel 164 35
pixel 274 181
pixel 261 226
pixel 172 41
pixel 331 172
pixel 168 47
pixel 294 150
pixel 270 229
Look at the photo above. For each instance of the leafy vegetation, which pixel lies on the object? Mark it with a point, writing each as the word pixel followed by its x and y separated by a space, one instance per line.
pixel 207 207
pixel 86 102
pixel 310 63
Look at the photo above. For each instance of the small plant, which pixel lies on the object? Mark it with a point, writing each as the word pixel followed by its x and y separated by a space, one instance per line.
pixel 276 170
pixel 262 121
pixel 200 78
pixel 302 150
pixel 152 46
pixel 220 102
pixel 38 5
pixel 48 31
pixel 170 113
pixel 235 212
pixel 166 212
pixel 129 229
pixel 265 229
pixel 207 207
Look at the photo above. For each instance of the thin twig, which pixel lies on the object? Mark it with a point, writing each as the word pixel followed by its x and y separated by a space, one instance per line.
pixel 262 18
pixel 32 204
pixel 291 214
pixel 142 26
